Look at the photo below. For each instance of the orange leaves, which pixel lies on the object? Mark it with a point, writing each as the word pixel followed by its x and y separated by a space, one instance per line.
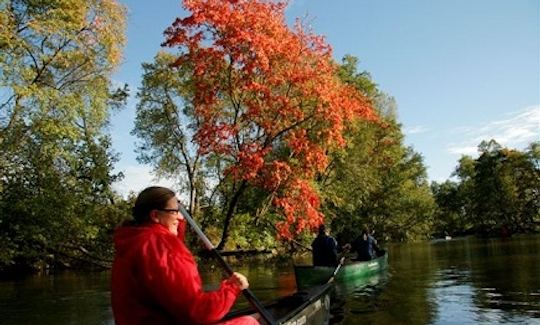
pixel 301 209
pixel 250 160
pixel 276 174
pixel 267 97
pixel 214 138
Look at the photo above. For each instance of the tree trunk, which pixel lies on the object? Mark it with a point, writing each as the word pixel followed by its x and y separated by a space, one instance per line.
pixel 230 213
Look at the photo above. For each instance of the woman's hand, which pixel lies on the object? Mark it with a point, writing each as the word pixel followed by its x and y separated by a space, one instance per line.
pixel 240 280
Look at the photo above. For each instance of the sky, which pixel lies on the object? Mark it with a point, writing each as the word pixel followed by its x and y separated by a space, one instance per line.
pixel 461 71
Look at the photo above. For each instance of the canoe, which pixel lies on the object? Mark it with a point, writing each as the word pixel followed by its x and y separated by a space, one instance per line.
pixel 310 306
pixel 375 283
pixel 309 275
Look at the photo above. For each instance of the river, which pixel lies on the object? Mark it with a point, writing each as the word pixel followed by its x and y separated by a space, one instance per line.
pixel 458 281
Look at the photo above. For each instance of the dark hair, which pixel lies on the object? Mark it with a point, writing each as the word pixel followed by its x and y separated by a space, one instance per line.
pixel 153 197
pixel 322 229
pixel 365 230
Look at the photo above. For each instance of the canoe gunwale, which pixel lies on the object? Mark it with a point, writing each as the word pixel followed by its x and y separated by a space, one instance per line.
pixel 309 275
pixel 345 265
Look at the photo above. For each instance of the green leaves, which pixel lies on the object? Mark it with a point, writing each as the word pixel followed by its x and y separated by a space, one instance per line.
pixel 165 123
pixel 55 99
pixel 498 189
pixel 376 180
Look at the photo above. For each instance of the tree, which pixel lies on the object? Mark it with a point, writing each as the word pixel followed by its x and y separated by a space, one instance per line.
pixel 376 180
pixel 166 123
pixel 450 216
pixel 497 190
pixel 268 100
pixel 56 58
pixel 505 182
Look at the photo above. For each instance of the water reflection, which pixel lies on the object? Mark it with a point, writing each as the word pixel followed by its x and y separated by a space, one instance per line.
pixel 267 282
pixel 69 298
pixel 458 301
pixel 488 281
pixel 463 281
pixel 357 297
pixel 451 282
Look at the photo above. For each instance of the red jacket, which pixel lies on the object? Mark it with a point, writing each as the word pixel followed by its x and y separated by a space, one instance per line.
pixel 155 281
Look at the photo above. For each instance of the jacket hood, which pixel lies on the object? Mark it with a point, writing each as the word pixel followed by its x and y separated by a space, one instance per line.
pixel 130 237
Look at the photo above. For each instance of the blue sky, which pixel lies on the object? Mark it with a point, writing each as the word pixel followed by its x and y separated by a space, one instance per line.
pixel 460 70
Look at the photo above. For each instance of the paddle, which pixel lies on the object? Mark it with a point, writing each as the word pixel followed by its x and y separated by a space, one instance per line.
pixel 336 270
pixel 341 262
pixel 255 303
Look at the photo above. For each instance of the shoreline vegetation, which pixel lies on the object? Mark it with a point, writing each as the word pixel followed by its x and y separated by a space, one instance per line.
pixel 264 146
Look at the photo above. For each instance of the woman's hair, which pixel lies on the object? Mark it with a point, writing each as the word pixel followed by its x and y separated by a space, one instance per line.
pixel 153 197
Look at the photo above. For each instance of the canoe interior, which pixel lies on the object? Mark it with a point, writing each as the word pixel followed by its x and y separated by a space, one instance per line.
pixel 310 306
pixel 309 275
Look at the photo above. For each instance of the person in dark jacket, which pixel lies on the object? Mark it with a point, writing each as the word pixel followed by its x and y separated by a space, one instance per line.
pixel 365 246
pixel 155 279
pixel 324 249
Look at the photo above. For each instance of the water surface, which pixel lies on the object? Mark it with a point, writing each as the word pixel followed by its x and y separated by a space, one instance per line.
pixel 460 281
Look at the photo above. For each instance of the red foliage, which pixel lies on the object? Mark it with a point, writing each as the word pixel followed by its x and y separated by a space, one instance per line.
pixel 268 97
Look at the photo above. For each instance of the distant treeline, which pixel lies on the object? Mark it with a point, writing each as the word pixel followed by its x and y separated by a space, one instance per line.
pixel 58 208
pixel 497 193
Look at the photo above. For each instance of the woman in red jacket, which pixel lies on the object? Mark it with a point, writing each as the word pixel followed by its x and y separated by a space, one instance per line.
pixel 154 276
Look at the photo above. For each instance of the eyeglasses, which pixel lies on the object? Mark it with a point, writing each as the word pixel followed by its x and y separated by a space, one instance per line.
pixel 174 211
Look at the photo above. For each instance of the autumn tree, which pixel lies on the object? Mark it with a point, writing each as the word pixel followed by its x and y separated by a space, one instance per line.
pixel 165 125
pixel 268 100
pixel 56 59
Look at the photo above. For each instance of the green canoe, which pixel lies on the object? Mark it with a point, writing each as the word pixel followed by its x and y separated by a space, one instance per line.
pixel 308 275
